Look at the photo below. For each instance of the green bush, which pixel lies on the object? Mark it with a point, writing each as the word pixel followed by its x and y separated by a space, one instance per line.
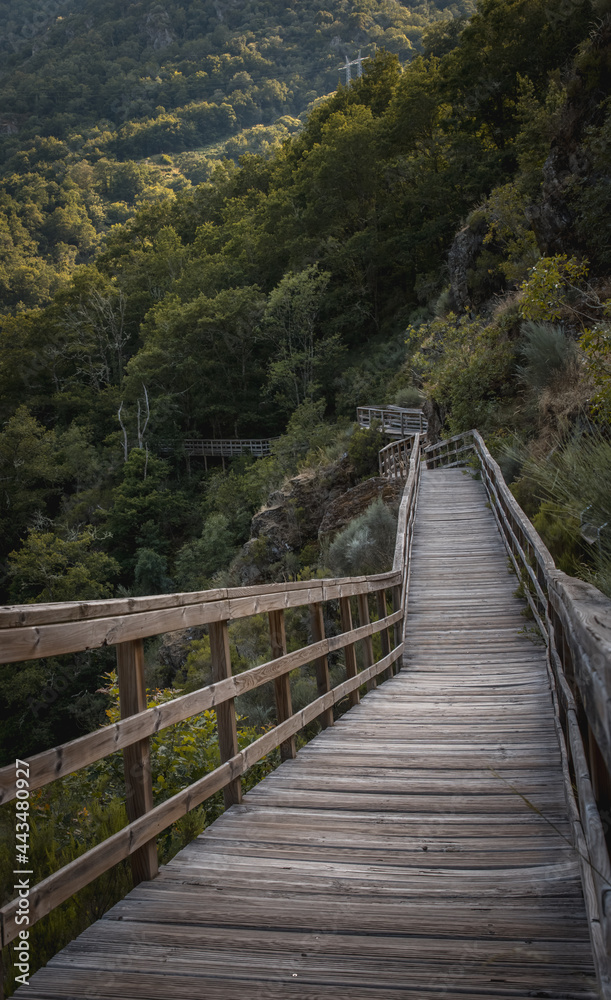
pixel 548 352
pixel 366 545
pixel 363 450
pixel 409 396
pixel 574 482
pixel 560 532
pixel 197 561
pixel 466 367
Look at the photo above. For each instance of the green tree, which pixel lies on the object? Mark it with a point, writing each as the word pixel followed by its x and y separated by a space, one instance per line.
pixel 30 473
pixel 197 561
pixel 50 568
pixel 290 321
pixel 150 573
pixel 144 512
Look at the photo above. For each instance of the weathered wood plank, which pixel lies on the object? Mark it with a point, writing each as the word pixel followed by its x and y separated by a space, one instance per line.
pixel 323 681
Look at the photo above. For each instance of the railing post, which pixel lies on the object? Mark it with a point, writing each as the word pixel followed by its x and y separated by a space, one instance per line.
pixel 363 603
pixel 282 685
pixel 137 757
pixel 381 600
pixel 323 681
pixel 351 669
pixel 398 626
pixel 225 713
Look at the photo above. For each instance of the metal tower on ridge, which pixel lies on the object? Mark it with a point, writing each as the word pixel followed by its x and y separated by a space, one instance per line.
pixel 358 62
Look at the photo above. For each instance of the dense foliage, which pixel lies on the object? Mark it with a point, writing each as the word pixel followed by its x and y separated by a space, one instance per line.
pixel 106 106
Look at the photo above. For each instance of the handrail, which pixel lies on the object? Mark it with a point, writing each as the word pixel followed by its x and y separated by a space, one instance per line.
pixel 393 420
pixel 31 631
pixel 219 447
pixel 54 638
pixel 574 618
pixel 393 460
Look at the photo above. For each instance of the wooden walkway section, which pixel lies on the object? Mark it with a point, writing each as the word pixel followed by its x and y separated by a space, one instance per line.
pixel 418 848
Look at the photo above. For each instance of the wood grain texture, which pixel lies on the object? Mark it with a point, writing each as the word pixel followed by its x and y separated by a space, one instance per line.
pixel 282 685
pixel 420 848
pixel 225 713
pixel 321 664
pixel 69 630
pixel 137 757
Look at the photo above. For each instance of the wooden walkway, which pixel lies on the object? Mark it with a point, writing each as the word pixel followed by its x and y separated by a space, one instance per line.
pixel 417 849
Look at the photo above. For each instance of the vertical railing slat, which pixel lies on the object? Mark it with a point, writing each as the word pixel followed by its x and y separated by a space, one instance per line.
pixel 225 713
pixel 363 605
pixel 323 681
pixel 282 685
pixel 136 758
pixel 381 603
pixel 350 653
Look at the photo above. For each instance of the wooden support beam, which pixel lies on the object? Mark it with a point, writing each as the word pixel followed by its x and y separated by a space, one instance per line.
pixel 323 681
pixel 350 654
pixel 282 685
pixel 363 604
pixel 225 713
pixel 398 626
pixel 137 757
pixel 384 638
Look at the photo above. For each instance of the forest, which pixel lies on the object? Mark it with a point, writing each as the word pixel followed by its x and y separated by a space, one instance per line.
pixel 206 232
pixel 108 106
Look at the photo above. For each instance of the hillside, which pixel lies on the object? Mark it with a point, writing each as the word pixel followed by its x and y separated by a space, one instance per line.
pixel 106 106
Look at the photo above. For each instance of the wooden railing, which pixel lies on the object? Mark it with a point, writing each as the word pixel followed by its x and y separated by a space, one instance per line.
pixel 574 618
pixel 451 452
pixel 396 421
pixel 34 631
pixel 227 446
pixel 394 459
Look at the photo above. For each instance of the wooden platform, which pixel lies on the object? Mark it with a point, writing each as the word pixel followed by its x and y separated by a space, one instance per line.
pixel 417 849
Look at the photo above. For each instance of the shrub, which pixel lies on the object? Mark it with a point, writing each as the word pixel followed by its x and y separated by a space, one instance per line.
pixel 548 352
pixel 150 575
pixel 560 532
pixel 409 396
pixel 366 545
pixel 363 450
pixel 197 561
pixel 575 485
pixel 465 367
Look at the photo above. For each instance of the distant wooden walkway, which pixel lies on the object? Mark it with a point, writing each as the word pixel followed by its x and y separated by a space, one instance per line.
pixel 393 421
pixel 417 849
pixel 219 447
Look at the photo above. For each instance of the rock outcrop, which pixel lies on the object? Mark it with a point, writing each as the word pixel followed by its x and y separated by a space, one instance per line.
pixel 293 514
pixel 157 27
pixel 461 259
pixel 355 501
pixel 309 508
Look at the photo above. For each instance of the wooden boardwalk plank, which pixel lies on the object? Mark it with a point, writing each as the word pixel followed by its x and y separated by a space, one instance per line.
pixel 419 848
